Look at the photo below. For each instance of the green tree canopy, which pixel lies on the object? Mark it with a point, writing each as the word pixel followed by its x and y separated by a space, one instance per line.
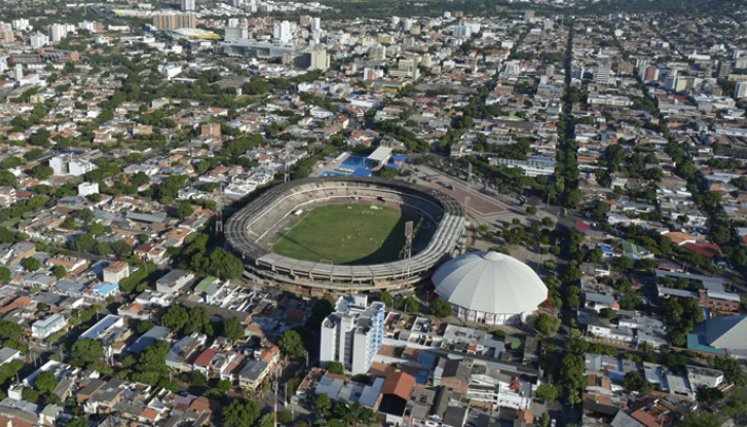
pixel 292 344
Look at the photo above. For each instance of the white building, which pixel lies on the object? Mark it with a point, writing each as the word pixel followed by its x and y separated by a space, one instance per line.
pixel 740 90
pixel 187 5
pixel 353 334
pixel 38 40
pixel 43 328
pixel 490 288
pixel 65 165
pixel 170 70
pixel 282 31
pixel 20 24
pixel 58 32
pixel 88 188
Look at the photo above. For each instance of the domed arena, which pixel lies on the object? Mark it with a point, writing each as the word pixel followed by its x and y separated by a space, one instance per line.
pixel 490 287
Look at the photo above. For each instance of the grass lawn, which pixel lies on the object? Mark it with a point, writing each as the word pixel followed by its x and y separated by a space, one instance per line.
pixel 345 234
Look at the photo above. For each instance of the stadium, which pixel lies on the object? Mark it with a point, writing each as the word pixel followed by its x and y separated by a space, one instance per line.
pixel 346 233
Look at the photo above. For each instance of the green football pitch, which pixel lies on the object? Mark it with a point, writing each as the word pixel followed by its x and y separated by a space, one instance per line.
pixel 345 234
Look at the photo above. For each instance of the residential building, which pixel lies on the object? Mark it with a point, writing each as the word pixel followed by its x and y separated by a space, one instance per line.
pixel 174 281
pixel 353 334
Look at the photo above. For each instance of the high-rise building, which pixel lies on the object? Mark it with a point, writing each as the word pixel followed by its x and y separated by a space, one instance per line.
pixel 281 31
pixel 3 64
pixel 38 40
pixel 651 74
pixel 377 52
pixel 407 68
pixel 316 24
pixel 174 20
pixel 740 90
pixel 19 72
pixel 319 60
pixel 724 68
pixel 187 5
pixel 602 74
pixel 58 32
pixel 353 334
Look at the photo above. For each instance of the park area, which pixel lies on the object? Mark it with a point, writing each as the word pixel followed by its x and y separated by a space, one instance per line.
pixel 345 235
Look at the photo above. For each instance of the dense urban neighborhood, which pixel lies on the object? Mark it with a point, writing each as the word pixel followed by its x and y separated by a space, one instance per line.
pixel 469 213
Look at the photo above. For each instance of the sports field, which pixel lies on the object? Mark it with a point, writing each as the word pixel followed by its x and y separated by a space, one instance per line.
pixel 345 234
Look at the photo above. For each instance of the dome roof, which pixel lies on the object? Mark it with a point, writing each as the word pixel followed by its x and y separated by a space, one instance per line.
pixel 490 282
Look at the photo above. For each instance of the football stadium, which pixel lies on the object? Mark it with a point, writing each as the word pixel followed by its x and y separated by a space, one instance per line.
pixel 346 233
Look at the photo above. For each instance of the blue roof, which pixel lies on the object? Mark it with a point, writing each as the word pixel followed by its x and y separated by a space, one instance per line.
pixel 362 171
pixel 696 341
pixel 104 288
pixel 391 166
pixel 399 157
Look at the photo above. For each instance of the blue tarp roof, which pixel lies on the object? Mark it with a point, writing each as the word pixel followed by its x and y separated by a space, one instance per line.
pixel 391 166
pixel 399 157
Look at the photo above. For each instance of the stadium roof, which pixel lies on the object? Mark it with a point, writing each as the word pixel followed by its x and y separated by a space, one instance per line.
pixel 490 282
pixel 727 332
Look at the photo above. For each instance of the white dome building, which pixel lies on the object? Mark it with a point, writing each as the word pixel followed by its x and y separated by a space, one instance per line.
pixel 490 287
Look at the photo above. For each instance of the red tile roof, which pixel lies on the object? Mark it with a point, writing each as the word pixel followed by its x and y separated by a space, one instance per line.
pixel 205 357
pixel 399 384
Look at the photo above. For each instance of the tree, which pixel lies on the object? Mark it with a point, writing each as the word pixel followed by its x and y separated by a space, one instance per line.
pixel 386 298
pixel 441 308
pixel 572 377
pixel 31 264
pixel 225 265
pixel 546 324
pixel 224 385
pixel 634 381
pixel 240 413
pixel 87 350
pixel 4 274
pixel 547 392
pixel 184 209
pixel 198 321
pixel 699 419
pixel 709 395
pixel 323 405
pixel 389 173
pixel 59 272
pixel 45 382
pixel 41 172
pixel 336 368
pixel 233 329
pixel 175 318
pixel 267 420
pixel 291 344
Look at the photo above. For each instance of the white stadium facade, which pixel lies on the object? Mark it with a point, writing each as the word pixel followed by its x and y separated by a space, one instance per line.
pixel 490 288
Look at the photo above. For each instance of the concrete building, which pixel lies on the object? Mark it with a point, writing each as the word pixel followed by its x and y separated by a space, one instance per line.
pixel 7 196
pixel 319 60
pixel 67 165
pixel 740 90
pixel 353 334
pixel 173 20
pixel 281 31
pixel 187 5
pixel 88 188
pixel 116 271
pixel 38 40
pixel 43 328
pixel 174 281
